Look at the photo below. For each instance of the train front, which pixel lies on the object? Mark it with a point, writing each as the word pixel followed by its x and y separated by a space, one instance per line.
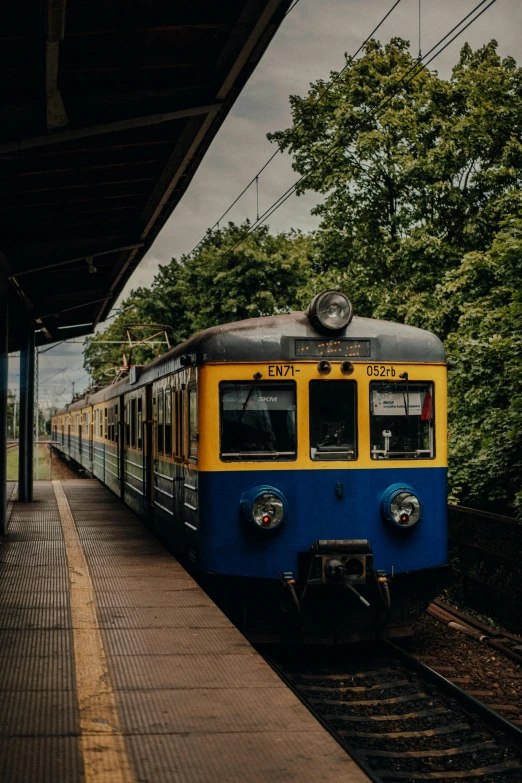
pixel 322 471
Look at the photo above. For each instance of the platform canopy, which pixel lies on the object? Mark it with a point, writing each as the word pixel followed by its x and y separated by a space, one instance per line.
pixel 108 107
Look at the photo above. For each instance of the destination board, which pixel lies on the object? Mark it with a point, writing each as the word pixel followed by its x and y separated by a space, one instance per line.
pixel 331 349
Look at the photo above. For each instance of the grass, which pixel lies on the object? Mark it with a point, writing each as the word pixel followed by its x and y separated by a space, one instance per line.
pixel 44 463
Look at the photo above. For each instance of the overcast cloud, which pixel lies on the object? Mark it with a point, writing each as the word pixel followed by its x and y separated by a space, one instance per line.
pixel 310 43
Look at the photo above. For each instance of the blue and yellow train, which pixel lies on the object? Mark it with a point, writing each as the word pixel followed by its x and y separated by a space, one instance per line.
pixel 297 462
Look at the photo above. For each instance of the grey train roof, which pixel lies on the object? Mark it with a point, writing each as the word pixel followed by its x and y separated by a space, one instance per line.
pixel 271 339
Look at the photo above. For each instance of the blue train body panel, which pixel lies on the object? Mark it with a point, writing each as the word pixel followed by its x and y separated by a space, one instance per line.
pixel 230 545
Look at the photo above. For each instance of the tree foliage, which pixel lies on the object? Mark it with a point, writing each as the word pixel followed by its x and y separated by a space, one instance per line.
pixel 407 190
pixel 485 353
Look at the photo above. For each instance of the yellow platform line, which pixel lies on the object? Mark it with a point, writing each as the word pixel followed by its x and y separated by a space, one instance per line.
pixel 102 743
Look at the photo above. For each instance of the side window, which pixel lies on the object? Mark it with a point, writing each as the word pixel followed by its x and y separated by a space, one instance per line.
pixel 105 428
pixel 116 423
pixel 333 420
pixel 133 423
pixel 401 420
pixel 160 422
pixel 140 423
pixel 168 421
pixel 193 421
pixel 178 421
pixel 127 423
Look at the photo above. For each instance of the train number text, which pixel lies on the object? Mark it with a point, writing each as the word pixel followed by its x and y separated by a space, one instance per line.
pixel 380 371
pixel 281 370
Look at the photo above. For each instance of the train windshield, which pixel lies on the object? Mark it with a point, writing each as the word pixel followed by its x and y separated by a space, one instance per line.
pixel 258 421
pixel 401 420
pixel 333 412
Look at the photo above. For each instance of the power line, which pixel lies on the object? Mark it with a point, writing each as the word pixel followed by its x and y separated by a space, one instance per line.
pixel 416 68
pixel 50 348
pixel 278 150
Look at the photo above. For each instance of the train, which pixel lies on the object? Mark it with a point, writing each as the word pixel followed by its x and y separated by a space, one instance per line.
pixel 296 463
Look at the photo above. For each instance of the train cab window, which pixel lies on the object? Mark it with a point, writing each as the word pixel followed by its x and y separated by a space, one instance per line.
pixel 258 421
pixel 160 422
pixel 168 422
pixel 193 421
pixel 140 423
pixel 401 420
pixel 333 420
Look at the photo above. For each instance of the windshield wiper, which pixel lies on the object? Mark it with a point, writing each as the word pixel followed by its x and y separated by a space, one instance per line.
pixel 242 412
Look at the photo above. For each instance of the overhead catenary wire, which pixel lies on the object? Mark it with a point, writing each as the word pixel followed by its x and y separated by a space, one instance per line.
pixel 291 9
pixel 334 80
pixel 416 68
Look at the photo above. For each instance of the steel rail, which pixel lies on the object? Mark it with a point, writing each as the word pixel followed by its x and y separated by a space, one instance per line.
pixel 359 760
pixel 469 703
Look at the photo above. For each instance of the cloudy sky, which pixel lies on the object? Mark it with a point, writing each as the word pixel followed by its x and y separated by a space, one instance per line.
pixel 311 42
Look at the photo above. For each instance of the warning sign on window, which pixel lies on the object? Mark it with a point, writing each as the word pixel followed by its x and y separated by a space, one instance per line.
pixel 396 404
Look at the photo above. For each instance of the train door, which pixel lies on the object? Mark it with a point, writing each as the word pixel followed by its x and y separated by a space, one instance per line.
pixel 179 451
pixel 191 477
pixel 157 447
pixel 120 438
pixel 91 437
pixel 148 446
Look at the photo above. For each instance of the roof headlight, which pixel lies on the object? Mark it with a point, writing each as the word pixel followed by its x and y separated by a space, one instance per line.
pixel 265 507
pixel 330 311
pixel 401 506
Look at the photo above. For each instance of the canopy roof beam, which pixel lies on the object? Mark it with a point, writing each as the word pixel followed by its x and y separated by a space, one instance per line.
pixel 110 127
pixel 55 24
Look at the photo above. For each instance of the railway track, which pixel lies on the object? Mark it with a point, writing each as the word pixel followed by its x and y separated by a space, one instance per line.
pixel 400 719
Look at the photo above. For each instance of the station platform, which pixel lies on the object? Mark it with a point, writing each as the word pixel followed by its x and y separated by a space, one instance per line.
pixel 116 667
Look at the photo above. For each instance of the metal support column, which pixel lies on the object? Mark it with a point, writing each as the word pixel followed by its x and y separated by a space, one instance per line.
pixel 25 464
pixel 4 362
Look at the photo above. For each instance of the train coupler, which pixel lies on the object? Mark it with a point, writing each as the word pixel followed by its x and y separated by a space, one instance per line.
pixel 340 561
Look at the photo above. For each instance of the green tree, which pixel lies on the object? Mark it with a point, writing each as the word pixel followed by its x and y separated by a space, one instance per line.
pixel 485 354
pixel 408 189
pixel 262 276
